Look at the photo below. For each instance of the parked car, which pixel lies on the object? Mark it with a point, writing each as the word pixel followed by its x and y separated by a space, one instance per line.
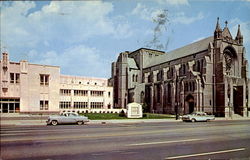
pixel 67 118
pixel 198 116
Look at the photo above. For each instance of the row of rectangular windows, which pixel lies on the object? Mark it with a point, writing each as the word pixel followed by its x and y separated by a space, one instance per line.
pixel 67 92
pixel 81 105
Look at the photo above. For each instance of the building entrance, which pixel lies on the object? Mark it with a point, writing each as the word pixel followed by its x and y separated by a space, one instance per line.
pixel 238 100
pixel 190 102
pixel 9 105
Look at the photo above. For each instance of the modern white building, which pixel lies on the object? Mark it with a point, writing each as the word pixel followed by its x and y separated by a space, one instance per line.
pixel 34 88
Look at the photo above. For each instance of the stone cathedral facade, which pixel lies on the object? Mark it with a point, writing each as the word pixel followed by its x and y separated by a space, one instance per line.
pixel 209 75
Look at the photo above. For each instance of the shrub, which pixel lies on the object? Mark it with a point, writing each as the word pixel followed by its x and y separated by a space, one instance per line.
pixel 122 114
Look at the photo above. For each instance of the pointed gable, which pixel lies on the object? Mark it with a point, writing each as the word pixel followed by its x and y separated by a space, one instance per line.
pixel 226 33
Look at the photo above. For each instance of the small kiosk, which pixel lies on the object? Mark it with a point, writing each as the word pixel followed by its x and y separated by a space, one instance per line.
pixel 134 110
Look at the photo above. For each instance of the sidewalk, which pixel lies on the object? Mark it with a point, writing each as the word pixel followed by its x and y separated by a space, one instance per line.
pixel 42 122
pixel 125 121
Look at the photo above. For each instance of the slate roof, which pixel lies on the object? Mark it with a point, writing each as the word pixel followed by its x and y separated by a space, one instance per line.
pixel 182 52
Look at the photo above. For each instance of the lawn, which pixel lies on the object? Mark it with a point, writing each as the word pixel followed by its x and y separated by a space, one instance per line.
pixel 106 116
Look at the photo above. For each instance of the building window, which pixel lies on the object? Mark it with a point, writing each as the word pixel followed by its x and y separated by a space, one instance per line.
pixel 184 69
pixel 96 93
pixel 17 78
pixel 64 105
pixel 44 79
pixel 80 105
pixel 96 105
pixel 12 77
pixel 193 86
pixel 44 105
pixel 65 92
pixel 169 93
pixel 186 86
pixel 190 86
pixel 149 78
pixel 80 93
pixel 159 76
pixel 198 66
pixel 109 94
pixel 136 78
pixel 133 78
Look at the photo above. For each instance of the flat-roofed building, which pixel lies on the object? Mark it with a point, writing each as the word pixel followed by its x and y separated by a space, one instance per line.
pixel 34 88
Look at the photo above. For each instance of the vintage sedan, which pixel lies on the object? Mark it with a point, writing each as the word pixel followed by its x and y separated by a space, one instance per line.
pixel 67 118
pixel 198 116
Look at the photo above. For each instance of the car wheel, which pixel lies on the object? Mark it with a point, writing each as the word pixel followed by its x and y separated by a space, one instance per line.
pixel 193 120
pixel 80 122
pixel 54 123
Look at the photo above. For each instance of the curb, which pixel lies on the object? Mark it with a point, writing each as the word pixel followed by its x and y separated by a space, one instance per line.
pixel 129 121
pixel 43 123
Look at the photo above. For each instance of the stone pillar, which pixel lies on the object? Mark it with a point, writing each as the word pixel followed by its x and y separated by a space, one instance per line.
pixel 151 98
pixel 231 100
pixel 155 75
pixel 173 97
pixel 196 97
pixel 182 97
pixel 228 100
pixel 199 93
pixel 165 73
pixel 190 65
pixel 146 77
pixel 162 98
pixel 244 100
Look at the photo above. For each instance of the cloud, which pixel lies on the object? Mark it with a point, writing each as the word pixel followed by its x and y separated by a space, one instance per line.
pixel 200 38
pixel 146 13
pixel 182 18
pixel 244 27
pixel 76 60
pixel 142 11
pixel 58 23
pixel 174 2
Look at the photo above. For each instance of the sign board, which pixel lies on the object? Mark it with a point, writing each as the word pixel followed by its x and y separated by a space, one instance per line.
pixel 134 110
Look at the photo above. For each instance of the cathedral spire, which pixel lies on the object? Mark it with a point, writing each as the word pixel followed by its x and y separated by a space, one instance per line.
pixel 239 37
pixel 218 31
pixel 218 25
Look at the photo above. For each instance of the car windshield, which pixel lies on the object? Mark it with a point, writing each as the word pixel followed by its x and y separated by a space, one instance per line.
pixel 198 113
pixel 72 114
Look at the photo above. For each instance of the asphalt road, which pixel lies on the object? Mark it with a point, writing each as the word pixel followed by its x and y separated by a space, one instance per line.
pixel 150 141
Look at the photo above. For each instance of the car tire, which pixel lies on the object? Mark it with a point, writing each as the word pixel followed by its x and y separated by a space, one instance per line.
pixel 54 122
pixel 80 122
pixel 193 120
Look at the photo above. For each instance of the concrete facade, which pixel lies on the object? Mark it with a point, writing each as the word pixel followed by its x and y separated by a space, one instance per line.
pixel 209 75
pixel 33 88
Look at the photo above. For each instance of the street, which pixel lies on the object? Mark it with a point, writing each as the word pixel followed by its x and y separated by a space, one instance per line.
pixel 150 141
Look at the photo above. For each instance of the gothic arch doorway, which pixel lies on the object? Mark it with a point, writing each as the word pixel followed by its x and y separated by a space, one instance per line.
pixel 238 100
pixel 190 103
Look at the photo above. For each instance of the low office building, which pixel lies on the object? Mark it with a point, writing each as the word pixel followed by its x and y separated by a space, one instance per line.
pixel 34 88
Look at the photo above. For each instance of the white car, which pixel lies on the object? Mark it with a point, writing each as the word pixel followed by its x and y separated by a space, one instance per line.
pixel 198 116
pixel 67 118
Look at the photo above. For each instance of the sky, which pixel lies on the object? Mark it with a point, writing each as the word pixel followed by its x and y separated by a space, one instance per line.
pixel 85 37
